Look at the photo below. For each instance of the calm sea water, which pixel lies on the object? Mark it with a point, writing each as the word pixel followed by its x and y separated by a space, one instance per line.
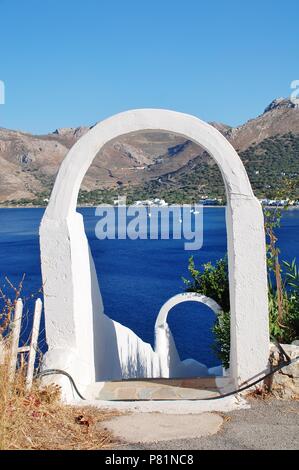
pixel 136 277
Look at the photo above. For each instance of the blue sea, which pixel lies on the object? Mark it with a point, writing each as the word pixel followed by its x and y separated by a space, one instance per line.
pixel 136 277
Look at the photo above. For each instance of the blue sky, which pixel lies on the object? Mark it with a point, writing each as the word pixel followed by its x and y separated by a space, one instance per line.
pixel 70 63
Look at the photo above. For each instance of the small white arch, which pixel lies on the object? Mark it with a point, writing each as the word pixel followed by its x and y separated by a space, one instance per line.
pixel 184 297
pixel 80 337
pixel 170 363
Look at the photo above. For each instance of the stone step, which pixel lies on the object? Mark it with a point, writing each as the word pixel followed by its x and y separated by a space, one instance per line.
pixel 155 389
pixel 192 382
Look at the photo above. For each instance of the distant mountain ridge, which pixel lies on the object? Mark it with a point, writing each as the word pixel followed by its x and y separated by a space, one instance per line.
pixel 29 163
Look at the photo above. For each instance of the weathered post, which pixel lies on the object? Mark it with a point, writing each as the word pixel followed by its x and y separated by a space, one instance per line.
pixel 17 321
pixel 33 343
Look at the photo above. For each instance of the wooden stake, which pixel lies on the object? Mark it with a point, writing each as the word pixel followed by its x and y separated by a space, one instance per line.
pixel 15 338
pixel 33 343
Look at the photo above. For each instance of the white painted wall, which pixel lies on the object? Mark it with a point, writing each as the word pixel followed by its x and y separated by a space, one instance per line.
pixel 80 337
pixel 82 340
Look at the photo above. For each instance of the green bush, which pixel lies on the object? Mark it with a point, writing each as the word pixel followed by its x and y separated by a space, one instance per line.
pixel 285 329
pixel 212 281
pixel 283 289
pixel 221 330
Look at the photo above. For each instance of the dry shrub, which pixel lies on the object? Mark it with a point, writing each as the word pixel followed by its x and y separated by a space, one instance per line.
pixel 261 393
pixel 37 419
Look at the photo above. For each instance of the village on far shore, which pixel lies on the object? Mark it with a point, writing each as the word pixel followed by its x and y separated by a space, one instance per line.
pixel 159 202
pixel 205 201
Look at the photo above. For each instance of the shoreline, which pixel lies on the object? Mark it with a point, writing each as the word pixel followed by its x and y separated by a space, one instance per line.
pixel 94 207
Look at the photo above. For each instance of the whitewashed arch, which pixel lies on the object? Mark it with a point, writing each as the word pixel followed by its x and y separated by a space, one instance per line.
pixel 165 345
pixel 184 297
pixel 75 327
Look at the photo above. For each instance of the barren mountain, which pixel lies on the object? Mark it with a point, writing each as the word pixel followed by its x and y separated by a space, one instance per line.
pixel 279 118
pixel 29 162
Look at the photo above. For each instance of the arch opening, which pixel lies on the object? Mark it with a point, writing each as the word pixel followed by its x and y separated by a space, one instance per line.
pixel 172 364
pixel 71 284
pixel 191 327
pixel 138 276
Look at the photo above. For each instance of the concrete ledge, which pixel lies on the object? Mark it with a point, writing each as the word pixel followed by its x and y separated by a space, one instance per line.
pixel 171 407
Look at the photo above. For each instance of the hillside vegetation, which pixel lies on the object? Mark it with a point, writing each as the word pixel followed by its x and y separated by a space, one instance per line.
pixel 155 164
pixel 268 164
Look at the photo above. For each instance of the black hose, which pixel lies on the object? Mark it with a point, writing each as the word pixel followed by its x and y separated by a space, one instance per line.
pixel 62 372
pixel 241 389
pixel 234 392
pixel 280 349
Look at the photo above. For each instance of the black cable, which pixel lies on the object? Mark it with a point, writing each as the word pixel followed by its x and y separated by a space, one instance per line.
pixel 241 389
pixel 280 348
pixel 62 372
pixel 234 392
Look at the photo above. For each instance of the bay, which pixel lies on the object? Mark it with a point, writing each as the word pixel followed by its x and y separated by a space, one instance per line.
pixel 136 276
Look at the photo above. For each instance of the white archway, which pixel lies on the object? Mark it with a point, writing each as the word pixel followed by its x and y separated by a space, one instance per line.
pixel 90 345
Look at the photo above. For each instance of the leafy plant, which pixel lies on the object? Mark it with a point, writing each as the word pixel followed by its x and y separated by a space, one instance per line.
pixel 221 330
pixel 283 291
pixel 212 281
pixel 292 274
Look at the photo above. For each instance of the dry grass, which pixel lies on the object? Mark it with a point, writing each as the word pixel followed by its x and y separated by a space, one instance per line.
pixel 38 420
pixel 259 393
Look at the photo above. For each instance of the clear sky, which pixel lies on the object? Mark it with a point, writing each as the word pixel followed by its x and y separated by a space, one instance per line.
pixel 70 62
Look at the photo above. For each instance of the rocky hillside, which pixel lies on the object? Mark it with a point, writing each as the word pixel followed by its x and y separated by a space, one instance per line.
pixel 279 118
pixel 272 166
pixel 29 162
